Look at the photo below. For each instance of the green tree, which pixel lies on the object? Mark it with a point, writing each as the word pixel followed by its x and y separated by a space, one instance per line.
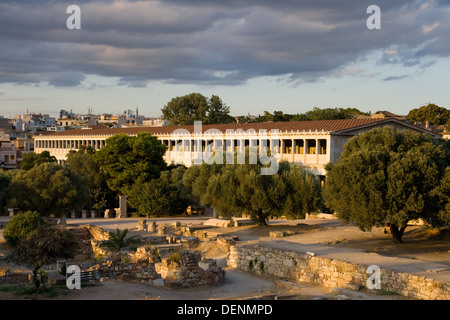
pixel 327 114
pixel 432 113
pixel 5 180
pixel 218 112
pixel 82 162
pixel 129 159
pixel 49 189
pixel 387 177
pixel 196 107
pixel 163 196
pixel 442 193
pixel 196 179
pixel 313 115
pixel 44 246
pixel 21 226
pixel 149 198
pixel 29 160
pixel 241 189
pixel 279 116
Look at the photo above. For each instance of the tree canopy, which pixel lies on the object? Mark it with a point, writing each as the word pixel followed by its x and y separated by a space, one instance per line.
pixel 388 177
pixel 241 189
pixel 21 226
pixel 196 107
pixel 31 159
pixel 129 159
pixel 44 246
pixel 5 180
pixel 315 114
pixel 82 162
pixel 48 188
pixel 432 113
pixel 163 196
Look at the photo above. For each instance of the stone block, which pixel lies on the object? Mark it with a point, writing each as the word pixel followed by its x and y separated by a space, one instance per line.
pixel 276 234
pixel 218 223
pixel 142 225
pixel 151 227
pixel 158 282
pixel 176 224
pixel 161 229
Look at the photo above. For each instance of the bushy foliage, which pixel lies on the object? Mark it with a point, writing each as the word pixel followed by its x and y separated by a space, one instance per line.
pixel 21 226
pixel 5 180
pixel 163 196
pixel 44 246
pixel 31 159
pixel 241 189
pixel 100 195
pixel 119 240
pixel 432 113
pixel 126 160
pixel 196 107
pixel 388 176
pixel 48 188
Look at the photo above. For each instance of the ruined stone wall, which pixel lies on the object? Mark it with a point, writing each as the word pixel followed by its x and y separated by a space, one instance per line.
pixel 190 271
pixel 98 233
pixel 303 267
pixel 140 271
pixel 145 265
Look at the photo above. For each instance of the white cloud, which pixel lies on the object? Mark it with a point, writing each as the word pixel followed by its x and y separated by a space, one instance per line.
pixel 426 29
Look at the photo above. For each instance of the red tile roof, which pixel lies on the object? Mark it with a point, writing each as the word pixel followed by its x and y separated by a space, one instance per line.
pixel 325 125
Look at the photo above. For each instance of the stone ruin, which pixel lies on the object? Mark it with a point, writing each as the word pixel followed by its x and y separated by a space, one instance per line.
pixel 183 267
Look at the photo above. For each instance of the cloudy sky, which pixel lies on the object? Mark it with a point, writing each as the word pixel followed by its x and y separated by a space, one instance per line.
pixel 257 55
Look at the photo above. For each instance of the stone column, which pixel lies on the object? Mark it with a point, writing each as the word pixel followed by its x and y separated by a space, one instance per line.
pixel 122 206
pixel 317 150
pixel 63 219
pixel 85 214
pixel 293 149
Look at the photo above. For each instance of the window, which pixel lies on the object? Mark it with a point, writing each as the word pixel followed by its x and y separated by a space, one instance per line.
pixel 322 146
pixel 311 146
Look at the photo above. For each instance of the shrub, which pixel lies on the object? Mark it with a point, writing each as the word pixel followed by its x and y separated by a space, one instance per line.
pixel 174 257
pixel 119 240
pixel 22 225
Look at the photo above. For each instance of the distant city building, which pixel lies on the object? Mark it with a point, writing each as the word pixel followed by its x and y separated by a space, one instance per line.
pixel 154 122
pixel 311 144
pixel 5 123
pixel 9 156
pixel 56 128
pixel 386 115
pixel 33 122
pixel 66 114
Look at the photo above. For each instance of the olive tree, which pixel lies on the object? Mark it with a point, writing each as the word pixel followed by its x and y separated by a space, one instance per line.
pixel 388 177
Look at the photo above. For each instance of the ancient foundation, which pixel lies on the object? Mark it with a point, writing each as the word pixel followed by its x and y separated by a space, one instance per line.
pixel 303 267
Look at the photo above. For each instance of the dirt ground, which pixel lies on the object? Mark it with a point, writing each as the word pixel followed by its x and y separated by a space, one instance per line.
pixel 425 251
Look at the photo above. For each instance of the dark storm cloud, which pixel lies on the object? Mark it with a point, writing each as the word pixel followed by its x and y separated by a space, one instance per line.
pixel 212 42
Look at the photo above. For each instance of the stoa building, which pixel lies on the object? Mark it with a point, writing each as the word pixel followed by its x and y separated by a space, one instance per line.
pixel 311 144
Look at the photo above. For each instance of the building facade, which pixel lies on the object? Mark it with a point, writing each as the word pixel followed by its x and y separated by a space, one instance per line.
pixel 310 144
pixel 9 156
